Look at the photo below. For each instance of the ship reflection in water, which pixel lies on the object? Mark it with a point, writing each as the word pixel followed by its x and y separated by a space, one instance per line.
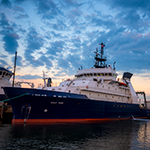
pixel 118 135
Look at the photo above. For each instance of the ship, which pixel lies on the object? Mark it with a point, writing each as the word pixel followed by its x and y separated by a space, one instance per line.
pixel 5 75
pixel 93 95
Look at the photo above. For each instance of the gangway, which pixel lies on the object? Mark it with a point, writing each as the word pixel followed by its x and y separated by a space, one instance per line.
pixel 144 95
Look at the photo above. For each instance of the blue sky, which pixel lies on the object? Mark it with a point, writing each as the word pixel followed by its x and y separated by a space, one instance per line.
pixel 59 36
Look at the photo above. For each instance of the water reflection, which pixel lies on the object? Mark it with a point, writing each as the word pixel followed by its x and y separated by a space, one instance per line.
pixel 123 135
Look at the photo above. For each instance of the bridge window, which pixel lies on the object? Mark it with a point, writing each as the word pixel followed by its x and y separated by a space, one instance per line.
pixel 4 73
pixel 106 74
pixel 110 74
pixel 0 73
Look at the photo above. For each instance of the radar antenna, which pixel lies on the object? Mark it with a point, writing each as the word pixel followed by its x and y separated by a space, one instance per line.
pixel 100 58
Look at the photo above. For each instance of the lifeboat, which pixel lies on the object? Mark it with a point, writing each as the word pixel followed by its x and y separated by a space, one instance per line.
pixel 124 84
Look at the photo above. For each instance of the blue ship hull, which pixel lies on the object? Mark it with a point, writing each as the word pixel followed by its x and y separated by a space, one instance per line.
pixel 33 105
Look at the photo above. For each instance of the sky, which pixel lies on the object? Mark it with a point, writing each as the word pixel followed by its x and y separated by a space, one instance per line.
pixel 59 36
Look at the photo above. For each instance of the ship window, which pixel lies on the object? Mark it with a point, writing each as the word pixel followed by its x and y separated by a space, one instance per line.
pixel 91 74
pixel 110 74
pixel 102 74
pixel 114 75
pixel 4 73
pixel 88 75
pixel 85 75
pixel 94 74
pixel 106 74
pixel 0 72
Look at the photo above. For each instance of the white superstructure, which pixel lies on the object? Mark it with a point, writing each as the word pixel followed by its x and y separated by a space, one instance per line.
pixel 100 83
pixel 5 76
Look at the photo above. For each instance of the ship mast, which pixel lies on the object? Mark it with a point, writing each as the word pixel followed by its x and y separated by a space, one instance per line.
pixel 100 58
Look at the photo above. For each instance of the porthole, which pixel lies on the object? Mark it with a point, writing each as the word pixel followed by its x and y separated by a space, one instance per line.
pixel 45 110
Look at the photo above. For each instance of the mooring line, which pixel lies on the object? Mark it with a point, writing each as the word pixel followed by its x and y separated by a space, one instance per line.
pixel 14 97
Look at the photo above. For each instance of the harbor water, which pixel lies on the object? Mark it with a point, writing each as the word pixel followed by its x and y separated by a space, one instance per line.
pixel 117 135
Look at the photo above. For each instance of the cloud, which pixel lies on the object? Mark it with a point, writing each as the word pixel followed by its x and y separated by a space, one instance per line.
pixel 71 3
pixel 140 4
pixel 56 47
pixel 3 62
pixel 19 61
pixel 9 36
pixel 6 3
pixel 28 77
pixel 10 42
pixel 46 61
pixel 22 16
pixel 48 9
pixel 34 42
pixel 3 20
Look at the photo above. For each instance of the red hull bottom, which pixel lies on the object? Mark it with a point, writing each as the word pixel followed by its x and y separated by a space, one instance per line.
pixel 62 121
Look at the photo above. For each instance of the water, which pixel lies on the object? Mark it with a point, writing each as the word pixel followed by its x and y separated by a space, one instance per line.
pixel 118 135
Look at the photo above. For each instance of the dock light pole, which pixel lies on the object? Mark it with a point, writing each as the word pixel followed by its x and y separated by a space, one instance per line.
pixel 14 68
